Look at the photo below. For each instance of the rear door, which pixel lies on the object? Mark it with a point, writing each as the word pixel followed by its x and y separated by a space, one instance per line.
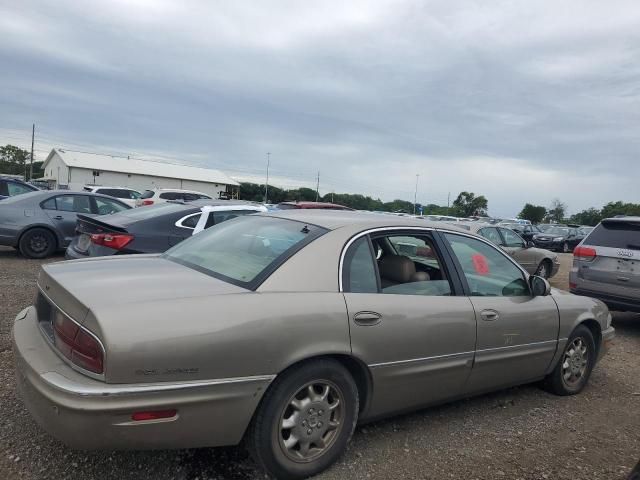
pixel 407 321
pixel 517 332
pixel 616 267
pixel 63 210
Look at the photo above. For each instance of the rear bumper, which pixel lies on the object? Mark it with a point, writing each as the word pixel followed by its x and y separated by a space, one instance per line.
pixel 72 254
pixel 614 302
pixel 90 414
pixel 549 245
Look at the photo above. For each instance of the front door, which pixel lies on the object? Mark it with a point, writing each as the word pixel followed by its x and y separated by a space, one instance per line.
pixel 406 321
pixel 517 332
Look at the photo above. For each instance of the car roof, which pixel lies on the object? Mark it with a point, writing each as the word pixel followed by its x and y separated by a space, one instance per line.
pixel 318 205
pixel 335 219
pixel 181 190
pixel 629 219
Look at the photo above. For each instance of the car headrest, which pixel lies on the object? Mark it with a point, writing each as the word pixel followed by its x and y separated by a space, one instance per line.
pixel 397 268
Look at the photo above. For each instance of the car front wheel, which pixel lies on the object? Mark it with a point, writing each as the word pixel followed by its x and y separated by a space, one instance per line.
pixel 305 420
pixel 573 370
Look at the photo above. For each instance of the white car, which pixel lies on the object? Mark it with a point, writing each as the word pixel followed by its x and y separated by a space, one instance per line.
pixel 161 195
pixel 124 194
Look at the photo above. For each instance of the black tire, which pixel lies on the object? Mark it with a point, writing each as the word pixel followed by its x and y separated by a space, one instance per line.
pixel 545 265
pixel 267 434
pixel 556 381
pixel 37 243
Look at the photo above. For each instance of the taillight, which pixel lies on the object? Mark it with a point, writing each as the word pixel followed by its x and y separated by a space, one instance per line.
pixel 147 202
pixel 584 253
pixel 77 344
pixel 116 241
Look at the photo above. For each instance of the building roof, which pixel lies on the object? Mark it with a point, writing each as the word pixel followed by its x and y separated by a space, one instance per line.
pixel 109 163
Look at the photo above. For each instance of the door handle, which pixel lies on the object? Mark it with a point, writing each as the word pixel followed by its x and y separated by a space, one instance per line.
pixel 489 315
pixel 58 217
pixel 367 318
pixel 622 279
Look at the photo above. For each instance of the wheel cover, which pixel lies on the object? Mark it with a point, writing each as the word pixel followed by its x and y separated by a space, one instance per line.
pixel 574 362
pixel 38 243
pixel 565 247
pixel 542 270
pixel 311 421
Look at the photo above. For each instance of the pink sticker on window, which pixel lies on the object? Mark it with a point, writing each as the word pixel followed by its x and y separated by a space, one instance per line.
pixel 480 264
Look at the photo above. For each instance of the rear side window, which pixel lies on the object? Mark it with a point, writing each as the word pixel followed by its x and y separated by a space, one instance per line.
pixel 359 272
pixel 68 203
pixel 191 221
pixel 615 235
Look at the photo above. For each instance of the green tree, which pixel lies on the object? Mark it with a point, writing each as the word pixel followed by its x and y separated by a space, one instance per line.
pixel 591 216
pixel 467 204
pixel 13 160
pixel 533 213
pixel 557 211
pixel 612 209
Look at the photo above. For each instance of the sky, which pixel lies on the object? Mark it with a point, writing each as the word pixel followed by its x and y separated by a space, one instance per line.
pixel 519 101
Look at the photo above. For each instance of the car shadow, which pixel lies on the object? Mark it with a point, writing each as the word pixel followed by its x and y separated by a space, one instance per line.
pixel 627 323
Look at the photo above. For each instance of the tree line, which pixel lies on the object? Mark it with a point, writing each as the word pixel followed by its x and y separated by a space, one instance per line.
pixel 591 216
pixel 15 161
pixel 466 204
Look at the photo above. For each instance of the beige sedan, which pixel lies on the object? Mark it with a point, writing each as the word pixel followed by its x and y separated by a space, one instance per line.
pixel 536 261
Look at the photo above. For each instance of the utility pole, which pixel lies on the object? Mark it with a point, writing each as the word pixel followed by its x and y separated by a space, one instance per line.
pixel 415 195
pixel 266 185
pixel 33 134
pixel 318 187
pixel 448 198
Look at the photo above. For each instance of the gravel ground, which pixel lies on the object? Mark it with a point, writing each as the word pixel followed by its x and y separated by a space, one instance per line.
pixel 519 433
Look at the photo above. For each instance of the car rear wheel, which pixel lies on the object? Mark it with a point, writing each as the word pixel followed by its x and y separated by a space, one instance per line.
pixel 572 372
pixel 37 243
pixel 305 420
pixel 544 269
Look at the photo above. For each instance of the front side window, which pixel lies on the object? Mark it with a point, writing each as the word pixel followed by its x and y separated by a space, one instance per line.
pixel 489 273
pixel 244 252
pixel 511 239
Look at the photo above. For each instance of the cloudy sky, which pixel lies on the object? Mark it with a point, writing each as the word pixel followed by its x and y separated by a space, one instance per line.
pixel 520 101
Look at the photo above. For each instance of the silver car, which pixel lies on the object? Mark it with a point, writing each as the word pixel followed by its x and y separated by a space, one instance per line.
pixel 39 223
pixel 287 329
pixel 606 264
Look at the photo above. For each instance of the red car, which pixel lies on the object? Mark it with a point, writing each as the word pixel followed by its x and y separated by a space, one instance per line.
pixel 323 205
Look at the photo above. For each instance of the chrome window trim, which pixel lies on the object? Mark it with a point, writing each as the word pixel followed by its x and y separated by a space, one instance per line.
pixel 62 383
pixel 424 229
pixel 179 222
pixel 97 376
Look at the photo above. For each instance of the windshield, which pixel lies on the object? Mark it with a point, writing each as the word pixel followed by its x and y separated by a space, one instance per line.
pixel 244 251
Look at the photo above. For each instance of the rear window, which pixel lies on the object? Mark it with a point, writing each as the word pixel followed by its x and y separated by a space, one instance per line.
pixel 147 194
pixel 615 235
pixel 244 251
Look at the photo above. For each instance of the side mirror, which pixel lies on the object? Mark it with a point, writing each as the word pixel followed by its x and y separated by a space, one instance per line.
pixel 539 286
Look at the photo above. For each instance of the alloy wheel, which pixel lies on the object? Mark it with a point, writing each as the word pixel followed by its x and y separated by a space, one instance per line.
pixel 575 362
pixel 311 421
pixel 38 243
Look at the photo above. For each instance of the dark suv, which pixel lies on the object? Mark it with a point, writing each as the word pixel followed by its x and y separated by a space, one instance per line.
pixel 606 264
pixel 10 187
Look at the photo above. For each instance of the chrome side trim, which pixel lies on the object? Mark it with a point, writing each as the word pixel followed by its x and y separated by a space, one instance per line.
pixel 424 359
pixel 460 354
pixel 98 376
pixel 511 347
pixel 62 383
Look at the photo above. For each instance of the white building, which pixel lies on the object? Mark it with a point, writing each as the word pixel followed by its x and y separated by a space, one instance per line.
pixel 73 170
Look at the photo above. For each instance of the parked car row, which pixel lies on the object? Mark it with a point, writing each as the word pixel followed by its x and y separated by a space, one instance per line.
pixel 286 329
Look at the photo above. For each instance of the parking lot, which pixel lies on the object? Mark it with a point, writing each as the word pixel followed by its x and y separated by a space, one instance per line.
pixel 519 433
